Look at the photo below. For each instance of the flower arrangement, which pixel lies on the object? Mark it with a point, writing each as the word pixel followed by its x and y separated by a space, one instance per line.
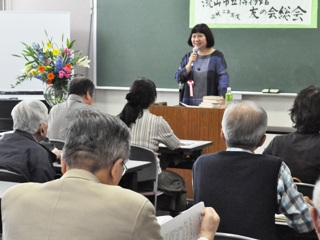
pixel 50 63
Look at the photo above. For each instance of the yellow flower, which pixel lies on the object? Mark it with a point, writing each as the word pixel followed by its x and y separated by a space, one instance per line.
pixel 45 50
pixel 55 52
pixel 49 45
pixel 34 72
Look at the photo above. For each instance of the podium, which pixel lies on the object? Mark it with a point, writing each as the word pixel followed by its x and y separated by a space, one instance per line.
pixel 193 124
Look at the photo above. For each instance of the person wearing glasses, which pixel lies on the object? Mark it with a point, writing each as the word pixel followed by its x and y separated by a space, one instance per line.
pixel 86 203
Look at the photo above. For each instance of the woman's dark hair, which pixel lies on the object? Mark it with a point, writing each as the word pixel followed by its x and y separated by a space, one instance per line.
pixel 204 29
pixel 305 113
pixel 141 95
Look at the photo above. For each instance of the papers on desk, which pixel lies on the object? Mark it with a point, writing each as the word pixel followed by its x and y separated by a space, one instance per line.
pixel 280 218
pixel 186 142
pixel 184 226
pixel 190 106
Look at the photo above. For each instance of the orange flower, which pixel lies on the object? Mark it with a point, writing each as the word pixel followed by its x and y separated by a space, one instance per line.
pixel 49 82
pixel 50 77
pixel 41 68
pixel 68 66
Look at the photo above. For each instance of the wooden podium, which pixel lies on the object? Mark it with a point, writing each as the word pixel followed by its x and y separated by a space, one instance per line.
pixel 193 124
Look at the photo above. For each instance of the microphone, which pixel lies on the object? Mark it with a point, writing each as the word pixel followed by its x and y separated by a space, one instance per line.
pixel 195 50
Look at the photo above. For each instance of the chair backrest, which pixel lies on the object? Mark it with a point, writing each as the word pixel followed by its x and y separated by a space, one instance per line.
pixel 305 188
pixel 9 176
pixel 58 143
pixel 144 154
pixel 148 174
pixel 229 236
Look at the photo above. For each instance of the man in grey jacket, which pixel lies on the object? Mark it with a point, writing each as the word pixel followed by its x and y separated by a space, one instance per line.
pixel 80 96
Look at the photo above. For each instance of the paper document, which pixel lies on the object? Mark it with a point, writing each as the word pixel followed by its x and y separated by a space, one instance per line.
pixel 190 106
pixel 186 142
pixel 184 226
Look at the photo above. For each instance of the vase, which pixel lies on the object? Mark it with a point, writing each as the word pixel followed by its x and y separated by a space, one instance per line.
pixel 55 94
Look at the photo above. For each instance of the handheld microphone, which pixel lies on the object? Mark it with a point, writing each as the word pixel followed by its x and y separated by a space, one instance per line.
pixel 195 50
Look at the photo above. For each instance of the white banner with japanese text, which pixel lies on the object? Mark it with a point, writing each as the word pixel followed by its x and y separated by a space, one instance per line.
pixel 254 13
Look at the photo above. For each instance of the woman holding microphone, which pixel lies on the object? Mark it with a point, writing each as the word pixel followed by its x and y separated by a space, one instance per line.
pixel 204 70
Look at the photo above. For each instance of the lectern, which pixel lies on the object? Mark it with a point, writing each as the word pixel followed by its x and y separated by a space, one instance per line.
pixel 193 124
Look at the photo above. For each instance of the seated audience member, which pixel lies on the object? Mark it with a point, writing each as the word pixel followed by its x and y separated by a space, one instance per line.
pixel 80 96
pixel 247 189
pixel 315 210
pixel 86 203
pixel 149 130
pixel 20 151
pixel 300 150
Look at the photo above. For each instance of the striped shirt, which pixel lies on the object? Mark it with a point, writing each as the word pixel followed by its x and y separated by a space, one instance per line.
pixel 151 130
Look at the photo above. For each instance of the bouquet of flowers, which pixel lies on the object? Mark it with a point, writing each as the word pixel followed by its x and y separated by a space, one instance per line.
pixel 50 63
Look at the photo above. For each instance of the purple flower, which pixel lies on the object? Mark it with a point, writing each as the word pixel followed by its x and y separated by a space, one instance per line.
pixel 58 65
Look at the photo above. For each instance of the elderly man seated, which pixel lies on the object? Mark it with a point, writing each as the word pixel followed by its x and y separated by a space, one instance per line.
pixel 20 151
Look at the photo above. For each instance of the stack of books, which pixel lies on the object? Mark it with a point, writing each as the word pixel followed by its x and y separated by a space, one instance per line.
pixel 212 102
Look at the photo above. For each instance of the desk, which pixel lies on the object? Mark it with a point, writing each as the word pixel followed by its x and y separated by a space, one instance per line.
pixel 4 186
pixel 129 180
pixel 130 177
pixel 194 123
pixel 181 160
pixel 184 156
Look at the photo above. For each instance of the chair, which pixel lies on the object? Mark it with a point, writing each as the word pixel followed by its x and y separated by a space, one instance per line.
pixel 58 143
pixel 230 236
pixel 148 175
pixel 9 176
pixel 305 188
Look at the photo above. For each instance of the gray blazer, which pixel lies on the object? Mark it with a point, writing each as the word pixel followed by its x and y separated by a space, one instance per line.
pixel 58 115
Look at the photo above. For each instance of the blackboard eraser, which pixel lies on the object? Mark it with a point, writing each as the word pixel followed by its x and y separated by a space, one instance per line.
pixel 270 90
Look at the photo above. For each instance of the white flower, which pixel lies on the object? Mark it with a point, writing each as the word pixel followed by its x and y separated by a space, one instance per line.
pixel 83 62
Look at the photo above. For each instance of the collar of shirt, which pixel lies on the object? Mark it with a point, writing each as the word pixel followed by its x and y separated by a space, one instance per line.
pixel 235 149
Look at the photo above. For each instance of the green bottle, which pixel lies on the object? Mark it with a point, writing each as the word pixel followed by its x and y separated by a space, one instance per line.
pixel 229 96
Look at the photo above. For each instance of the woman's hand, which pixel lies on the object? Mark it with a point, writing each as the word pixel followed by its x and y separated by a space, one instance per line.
pixel 192 58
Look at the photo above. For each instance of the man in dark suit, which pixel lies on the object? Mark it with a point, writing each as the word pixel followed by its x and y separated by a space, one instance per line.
pixel 247 189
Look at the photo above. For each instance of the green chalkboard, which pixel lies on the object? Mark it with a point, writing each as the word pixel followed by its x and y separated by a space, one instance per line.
pixel 149 37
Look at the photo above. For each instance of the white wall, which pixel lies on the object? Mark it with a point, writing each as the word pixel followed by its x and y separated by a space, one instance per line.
pixel 81 22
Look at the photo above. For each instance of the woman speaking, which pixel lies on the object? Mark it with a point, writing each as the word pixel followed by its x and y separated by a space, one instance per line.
pixel 203 71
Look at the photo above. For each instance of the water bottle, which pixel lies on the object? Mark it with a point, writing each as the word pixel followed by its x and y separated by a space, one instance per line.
pixel 229 96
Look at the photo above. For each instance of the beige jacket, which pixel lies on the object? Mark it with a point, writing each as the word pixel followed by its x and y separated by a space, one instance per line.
pixel 77 206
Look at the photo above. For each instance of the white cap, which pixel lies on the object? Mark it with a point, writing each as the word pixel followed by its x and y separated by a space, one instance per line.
pixel 228 88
